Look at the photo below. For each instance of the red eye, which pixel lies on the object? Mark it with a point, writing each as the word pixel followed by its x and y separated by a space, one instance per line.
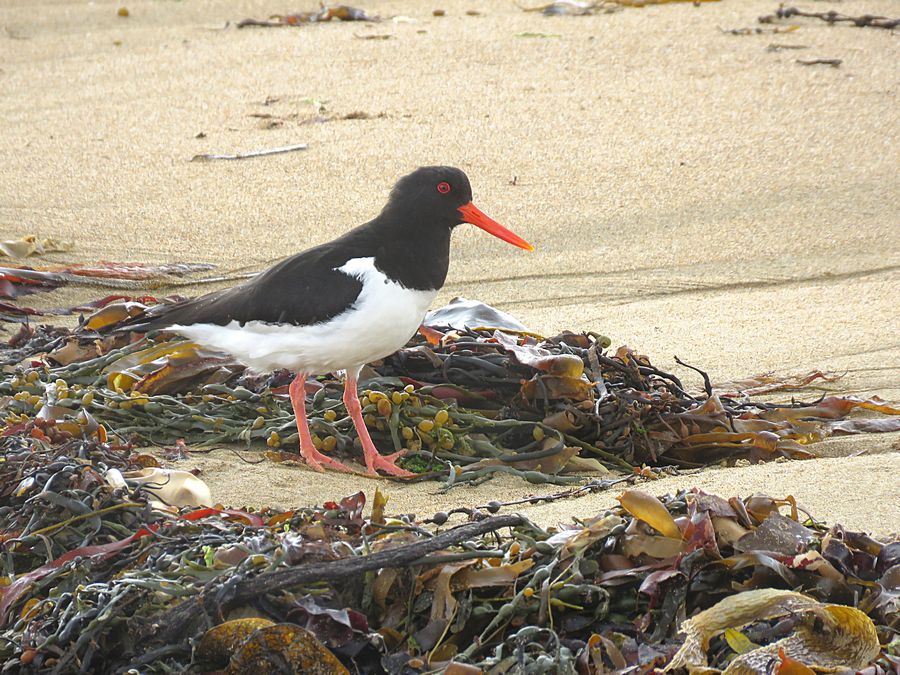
pixel 443 187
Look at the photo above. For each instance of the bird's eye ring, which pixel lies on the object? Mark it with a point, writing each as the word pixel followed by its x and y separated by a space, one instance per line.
pixel 443 187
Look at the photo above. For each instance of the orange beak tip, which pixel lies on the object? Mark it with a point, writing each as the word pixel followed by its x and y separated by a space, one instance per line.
pixel 473 215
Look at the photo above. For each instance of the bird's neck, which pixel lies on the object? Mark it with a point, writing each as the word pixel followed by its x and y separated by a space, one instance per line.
pixel 415 254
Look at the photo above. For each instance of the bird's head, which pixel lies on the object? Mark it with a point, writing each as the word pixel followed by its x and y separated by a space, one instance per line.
pixel 442 196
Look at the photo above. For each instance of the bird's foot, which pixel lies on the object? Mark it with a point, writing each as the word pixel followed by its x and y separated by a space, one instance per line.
pixel 319 462
pixel 387 463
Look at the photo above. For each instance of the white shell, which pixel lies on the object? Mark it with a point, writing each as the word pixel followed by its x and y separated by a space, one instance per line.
pixel 172 487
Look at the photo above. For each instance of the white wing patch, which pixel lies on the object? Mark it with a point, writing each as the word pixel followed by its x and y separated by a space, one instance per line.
pixel 383 318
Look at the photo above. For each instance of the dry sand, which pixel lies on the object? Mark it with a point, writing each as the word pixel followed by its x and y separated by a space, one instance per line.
pixel 689 191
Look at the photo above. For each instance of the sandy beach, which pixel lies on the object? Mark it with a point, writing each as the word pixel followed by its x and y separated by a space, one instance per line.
pixel 689 191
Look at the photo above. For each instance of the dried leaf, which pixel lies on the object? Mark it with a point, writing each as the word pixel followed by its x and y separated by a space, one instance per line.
pixel 728 531
pixel 649 509
pixel 454 668
pixel 865 426
pixel 596 645
pixel 887 601
pixel 351 506
pixel 699 533
pixel 249 518
pixel 28 609
pixel 382 585
pixel 832 407
pixel 878 404
pixel 502 575
pixel 661 548
pixel 165 368
pixel 788 666
pixel 431 335
pixel 813 561
pixel 112 314
pixel 767 383
pixel 333 627
pixel 739 643
pixel 31 245
pixel 563 420
pixel 585 465
pixel 16 281
pixel 776 533
pixel 551 464
pixel 579 540
pixel 761 507
pixel 556 387
pixel 443 607
pixel 179 373
pixel 378 504
pixel 74 351
pixel 566 366
pixel 229 556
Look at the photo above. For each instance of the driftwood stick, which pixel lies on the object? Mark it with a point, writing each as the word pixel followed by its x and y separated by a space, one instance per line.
pixel 833 17
pixel 252 153
pixel 171 625
pixel 834 63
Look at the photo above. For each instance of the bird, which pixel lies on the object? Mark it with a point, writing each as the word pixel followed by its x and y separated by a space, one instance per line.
pixel 342 304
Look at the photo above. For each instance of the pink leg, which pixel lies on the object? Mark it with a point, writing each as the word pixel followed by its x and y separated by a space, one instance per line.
pixel 313 457
pixel 374 459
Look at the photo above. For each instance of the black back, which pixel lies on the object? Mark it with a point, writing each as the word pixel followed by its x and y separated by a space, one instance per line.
pixel 409 241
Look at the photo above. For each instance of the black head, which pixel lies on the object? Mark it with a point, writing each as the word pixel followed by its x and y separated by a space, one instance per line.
pixel 441 196
pixel 433 192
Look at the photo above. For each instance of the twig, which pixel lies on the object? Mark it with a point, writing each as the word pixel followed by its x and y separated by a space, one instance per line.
pixel 707 385
pixel 579 7
pixel 776 47
pixel 759 31
pixel 258 22
pixel 596 485
pixel 833 17
pixel 252 153
pixel 834 63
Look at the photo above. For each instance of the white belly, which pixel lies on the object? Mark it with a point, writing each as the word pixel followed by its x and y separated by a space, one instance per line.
pixel 383 318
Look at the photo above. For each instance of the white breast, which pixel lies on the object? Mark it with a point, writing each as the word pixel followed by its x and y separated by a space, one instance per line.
pixel 383 318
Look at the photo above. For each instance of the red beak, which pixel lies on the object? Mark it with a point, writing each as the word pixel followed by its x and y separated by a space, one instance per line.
pixel 472 214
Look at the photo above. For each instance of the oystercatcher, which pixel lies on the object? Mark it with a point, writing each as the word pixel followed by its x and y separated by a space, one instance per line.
pixel 343 304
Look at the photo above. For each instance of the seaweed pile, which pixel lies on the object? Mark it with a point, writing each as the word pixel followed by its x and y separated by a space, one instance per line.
pixel 463 403
pixel 98 576
pixel 98 581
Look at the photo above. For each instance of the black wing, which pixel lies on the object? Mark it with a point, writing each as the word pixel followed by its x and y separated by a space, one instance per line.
pixel 302 290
